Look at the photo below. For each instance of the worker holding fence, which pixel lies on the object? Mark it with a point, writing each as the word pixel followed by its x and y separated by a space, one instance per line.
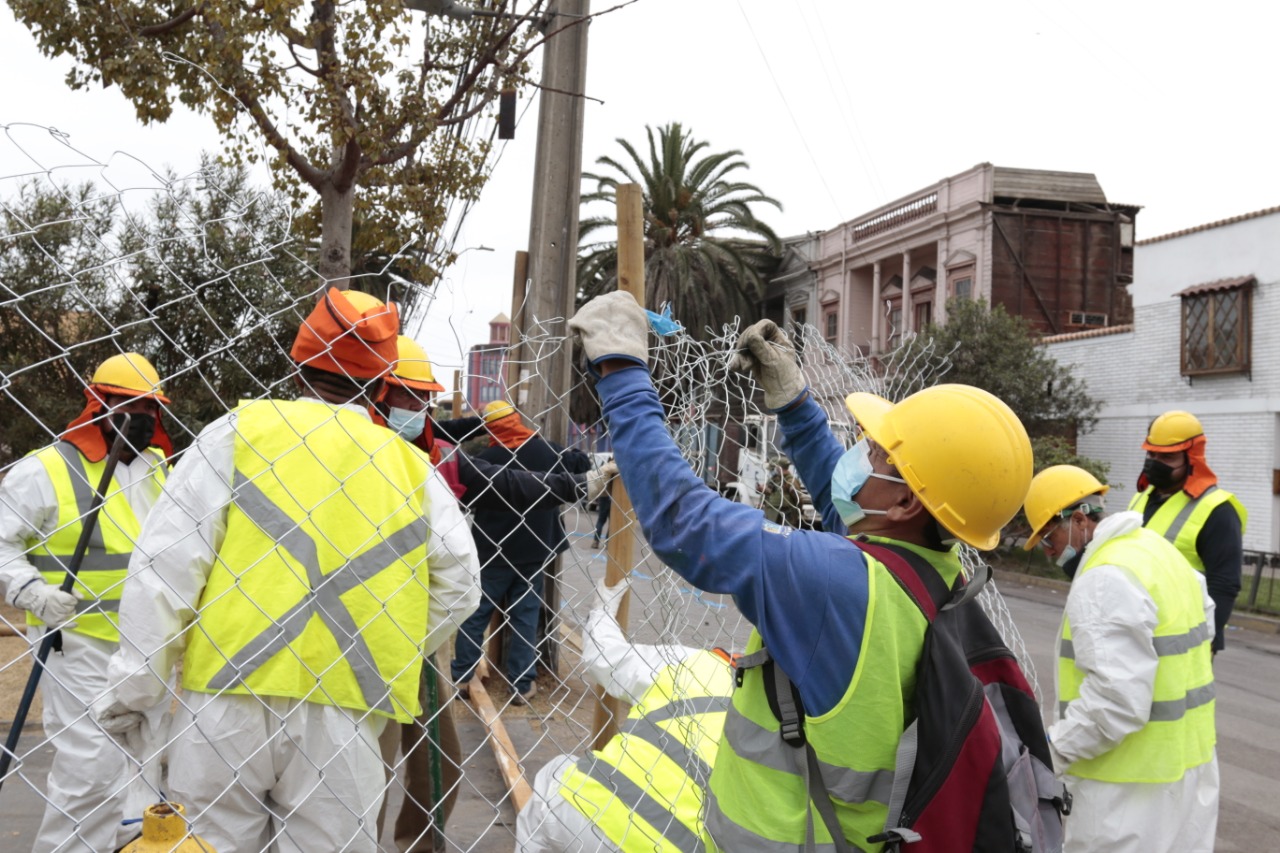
pixel 645 789
pixel 1134 725
pixel 1179 498
pixel 478 484
pixel 948 463
pixel 301 561
pixel 44 500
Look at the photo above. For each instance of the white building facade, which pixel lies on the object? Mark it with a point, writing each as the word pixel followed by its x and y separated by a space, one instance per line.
pixel 1205 338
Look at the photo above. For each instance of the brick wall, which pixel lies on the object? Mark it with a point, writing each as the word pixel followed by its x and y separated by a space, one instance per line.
pixel 1137 376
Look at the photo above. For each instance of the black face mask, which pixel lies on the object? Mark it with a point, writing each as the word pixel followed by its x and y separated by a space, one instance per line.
pixel 1159 474
pixel 1071 565
pixel 142 428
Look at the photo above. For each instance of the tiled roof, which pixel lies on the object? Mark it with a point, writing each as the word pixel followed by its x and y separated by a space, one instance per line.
pixel 1220 284
pixel 1087 333
pixel 1231 221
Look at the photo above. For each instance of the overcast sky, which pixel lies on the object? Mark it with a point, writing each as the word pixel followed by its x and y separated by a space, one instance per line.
pixel 839 107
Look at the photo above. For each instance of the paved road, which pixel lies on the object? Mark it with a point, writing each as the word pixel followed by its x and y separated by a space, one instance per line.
pixel 1248 676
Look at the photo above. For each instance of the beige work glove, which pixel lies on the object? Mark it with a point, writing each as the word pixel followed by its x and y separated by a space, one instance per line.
pixel 766 353
pixel 613 324
pixel 598 480
pixel 48 603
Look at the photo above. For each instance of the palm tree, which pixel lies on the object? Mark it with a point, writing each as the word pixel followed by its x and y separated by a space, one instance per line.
pixel 705 252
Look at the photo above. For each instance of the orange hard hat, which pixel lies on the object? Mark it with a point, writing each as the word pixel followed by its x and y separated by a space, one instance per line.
pixel 349 333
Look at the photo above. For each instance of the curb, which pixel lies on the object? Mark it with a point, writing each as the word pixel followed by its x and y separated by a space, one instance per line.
pixel 1249 621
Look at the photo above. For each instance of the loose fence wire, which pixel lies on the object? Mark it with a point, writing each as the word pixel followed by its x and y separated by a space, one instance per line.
pixel 205 277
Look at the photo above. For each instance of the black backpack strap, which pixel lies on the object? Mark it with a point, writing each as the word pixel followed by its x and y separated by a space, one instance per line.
pixel 921 581
pixel 788 708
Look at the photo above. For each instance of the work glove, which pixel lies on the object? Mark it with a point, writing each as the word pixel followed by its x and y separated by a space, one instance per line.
pixel 765 352
pixel 613 324
pixel 48 603
pixel 609 598
pixel 122 723
pixel 598 480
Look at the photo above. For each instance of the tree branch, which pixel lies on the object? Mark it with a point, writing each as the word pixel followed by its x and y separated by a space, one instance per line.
pixel 171 24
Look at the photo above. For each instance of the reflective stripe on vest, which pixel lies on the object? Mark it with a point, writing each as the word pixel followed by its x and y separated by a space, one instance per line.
pixel 1181 518
pixel 760 800
pixel 319 591
pixel 1180 730
pixel 104 566
pixel 644 790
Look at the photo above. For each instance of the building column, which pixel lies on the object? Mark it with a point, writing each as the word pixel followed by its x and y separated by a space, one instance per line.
pixel 940 291
pixel 877 310
pixel 907 311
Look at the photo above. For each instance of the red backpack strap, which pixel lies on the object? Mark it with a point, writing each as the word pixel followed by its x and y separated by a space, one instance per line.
pixel 913 573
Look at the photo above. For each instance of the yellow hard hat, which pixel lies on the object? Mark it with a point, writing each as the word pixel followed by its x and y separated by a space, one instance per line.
pixel 962 451
pixel 413 368
pixel 1172 431
pixel 497 410
pixel 1053 490
pixel 362 301
pixel 129 375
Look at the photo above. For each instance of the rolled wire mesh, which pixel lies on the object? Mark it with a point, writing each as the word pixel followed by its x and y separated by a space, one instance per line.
pixel 278 657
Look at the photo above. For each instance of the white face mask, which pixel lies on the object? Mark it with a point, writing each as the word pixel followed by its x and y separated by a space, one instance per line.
pixel 407 424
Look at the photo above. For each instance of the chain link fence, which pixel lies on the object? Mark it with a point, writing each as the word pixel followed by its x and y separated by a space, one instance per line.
pixel 269 600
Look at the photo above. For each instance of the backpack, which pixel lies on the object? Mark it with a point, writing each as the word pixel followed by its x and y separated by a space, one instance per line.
pixel 973 769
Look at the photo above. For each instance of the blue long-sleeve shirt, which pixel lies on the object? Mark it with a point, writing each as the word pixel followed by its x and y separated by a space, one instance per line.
pixel 805 591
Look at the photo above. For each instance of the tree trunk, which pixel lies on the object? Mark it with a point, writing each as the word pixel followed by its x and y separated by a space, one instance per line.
pixel 335 234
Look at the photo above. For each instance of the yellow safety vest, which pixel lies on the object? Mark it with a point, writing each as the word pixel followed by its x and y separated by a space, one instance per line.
pixel 102 570
pixel 1181 733
pixel 759 800
pixel 319 589
pixel 644 790
pixel 1181 518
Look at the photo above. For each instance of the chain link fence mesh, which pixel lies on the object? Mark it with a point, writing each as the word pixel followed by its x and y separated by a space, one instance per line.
pixel 207 279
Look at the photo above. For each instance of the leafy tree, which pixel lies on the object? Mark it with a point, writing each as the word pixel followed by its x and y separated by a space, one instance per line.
pixel 345 96
pixel 56 307
pixel 216 289
pixel 205 280
pixel 1053 450
pixel 990 349
pixel 705 251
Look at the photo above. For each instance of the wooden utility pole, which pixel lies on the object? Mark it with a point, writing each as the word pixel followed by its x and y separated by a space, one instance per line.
pixel 553 247
pixel 622 532
pixel 516 356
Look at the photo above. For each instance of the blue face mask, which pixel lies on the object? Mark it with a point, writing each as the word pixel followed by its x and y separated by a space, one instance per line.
pixel 408 425
pixel 850 475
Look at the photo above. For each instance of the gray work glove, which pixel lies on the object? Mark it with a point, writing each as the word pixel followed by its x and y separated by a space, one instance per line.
pixel 766 353
pixel 613 324
pixel 115 719
pixel 598 480
pixel 48 603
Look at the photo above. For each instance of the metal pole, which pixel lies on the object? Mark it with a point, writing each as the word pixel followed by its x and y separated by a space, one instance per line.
pixel 437 769
pixel 54 636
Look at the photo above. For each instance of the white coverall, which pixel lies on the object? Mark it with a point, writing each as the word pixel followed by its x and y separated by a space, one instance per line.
pixel 263 773
pixel 1113 621
pixel 89 780
pixel 548 823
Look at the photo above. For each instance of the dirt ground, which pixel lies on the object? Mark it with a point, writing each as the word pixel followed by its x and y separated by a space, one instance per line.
pixel 15 667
